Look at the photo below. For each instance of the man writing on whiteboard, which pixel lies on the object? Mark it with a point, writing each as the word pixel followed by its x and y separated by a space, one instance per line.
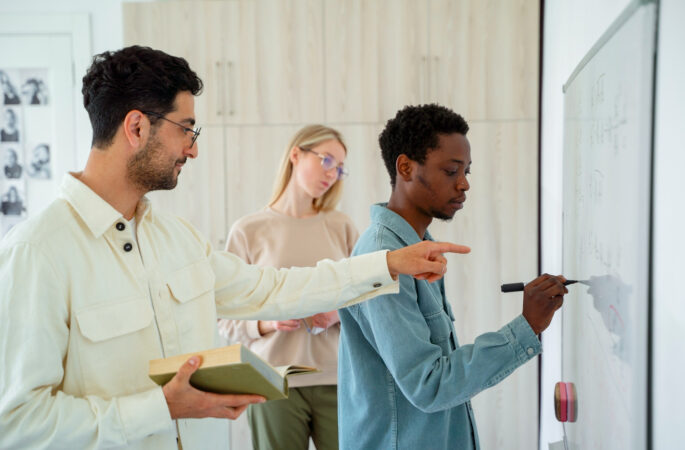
pixel 404 380
pixel 99 283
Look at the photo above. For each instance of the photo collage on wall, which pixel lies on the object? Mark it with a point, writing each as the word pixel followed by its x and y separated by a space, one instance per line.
pixel 25 140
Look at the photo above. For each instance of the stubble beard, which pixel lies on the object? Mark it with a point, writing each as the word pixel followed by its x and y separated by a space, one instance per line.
pixel 148 169
pixel 434 213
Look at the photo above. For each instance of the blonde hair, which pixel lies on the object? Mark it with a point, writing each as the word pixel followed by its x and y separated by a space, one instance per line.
pixel 309 137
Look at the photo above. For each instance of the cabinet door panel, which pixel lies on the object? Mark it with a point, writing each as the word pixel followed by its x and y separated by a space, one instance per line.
pixel 484 57
pixel 274 62
pixel 402 55
pixel 368 182
pixel 253 155
pixel 199 196
pixel 351 33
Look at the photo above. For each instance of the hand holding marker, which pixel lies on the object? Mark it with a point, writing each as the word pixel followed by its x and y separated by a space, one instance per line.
pixel 517 287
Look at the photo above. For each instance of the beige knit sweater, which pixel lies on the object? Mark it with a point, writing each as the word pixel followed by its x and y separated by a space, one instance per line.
pixel 269 238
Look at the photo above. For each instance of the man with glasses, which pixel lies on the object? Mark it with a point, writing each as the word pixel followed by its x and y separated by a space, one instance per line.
pixel 99 283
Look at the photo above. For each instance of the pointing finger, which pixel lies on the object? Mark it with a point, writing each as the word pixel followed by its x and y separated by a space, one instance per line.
pixel 448 247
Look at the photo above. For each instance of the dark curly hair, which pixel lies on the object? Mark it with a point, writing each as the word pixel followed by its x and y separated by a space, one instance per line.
pixel 414 132
pixel 133 78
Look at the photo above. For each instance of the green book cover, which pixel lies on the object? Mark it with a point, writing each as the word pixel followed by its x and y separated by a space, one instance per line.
pixel 230 370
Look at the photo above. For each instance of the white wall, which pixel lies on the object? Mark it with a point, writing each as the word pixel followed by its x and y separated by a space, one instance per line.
pixel 106 29
pixel 106 34
pixel 570 30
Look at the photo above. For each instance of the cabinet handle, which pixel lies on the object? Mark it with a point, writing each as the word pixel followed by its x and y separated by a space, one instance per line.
pixel 220 89
pixel 434 87
pixel 230 80
pixel 423 75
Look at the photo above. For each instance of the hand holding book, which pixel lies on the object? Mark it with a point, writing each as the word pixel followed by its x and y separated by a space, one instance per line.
pixel 227 370
pixel 184 401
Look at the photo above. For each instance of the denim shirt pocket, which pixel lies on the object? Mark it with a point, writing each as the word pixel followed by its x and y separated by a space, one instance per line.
pixel 432 305
pixel 440 330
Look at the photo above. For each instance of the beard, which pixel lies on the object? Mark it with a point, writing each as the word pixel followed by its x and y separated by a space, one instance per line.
pixel 434 212
pixel 151 170
pixel 441 215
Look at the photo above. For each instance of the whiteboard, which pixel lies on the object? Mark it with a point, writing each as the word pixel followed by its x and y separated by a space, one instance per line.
pixel 608 121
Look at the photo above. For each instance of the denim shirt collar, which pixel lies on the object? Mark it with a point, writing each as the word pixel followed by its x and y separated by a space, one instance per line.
pixel 381 215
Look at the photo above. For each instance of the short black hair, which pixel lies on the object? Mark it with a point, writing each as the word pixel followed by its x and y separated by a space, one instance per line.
pixel 414 131
pixel 134 77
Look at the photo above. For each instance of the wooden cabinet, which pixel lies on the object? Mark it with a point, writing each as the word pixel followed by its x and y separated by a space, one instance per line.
pixel 260 60
pixel 478 57
pixel 484 57
pixel 271 67
pixel 253 155
pixel 376 54
pixel 271 60
pixel 368 182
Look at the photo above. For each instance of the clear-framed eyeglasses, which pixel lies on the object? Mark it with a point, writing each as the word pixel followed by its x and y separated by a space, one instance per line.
pixel 188 131
pixel 328 162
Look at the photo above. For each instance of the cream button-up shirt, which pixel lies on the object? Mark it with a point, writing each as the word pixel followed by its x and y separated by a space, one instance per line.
pixel 83 308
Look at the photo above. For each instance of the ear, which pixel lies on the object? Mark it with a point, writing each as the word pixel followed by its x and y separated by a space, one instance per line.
pixel 136 128
pixel 405 167
pixel 294 155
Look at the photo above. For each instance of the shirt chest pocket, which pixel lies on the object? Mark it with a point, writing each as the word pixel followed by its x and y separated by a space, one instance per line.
pixel 192 291
pixel 440 330
pixel 116 336
pixel 438 320
pixel 110 320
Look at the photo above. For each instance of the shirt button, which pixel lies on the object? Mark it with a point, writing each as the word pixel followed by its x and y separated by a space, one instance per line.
pixel 121 226
pixel 377 285
pixel 128 247
pixel 530 351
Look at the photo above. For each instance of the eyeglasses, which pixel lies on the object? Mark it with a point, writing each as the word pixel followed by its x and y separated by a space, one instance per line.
pixel 196 131
pixel 328 162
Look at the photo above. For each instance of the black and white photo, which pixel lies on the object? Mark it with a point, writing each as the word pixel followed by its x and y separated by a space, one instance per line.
pixel 38 165
pixel 12 168
pixel 12 203
pixel 10 95
pixel 10 126
pixel 34 90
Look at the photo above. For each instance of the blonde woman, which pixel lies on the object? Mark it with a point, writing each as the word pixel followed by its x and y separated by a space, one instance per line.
pixel 299 227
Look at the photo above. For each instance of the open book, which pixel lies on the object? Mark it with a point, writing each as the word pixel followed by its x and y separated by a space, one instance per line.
pixel 231 370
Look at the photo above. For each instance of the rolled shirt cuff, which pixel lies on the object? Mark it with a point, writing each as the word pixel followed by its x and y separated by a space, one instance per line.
pixel 525 342
pixel 370 277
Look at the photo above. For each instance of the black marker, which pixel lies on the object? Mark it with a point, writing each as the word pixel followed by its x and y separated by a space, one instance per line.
pixel 516 287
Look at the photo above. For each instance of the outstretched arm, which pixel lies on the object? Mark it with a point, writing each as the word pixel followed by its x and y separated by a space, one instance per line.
pixel 244 291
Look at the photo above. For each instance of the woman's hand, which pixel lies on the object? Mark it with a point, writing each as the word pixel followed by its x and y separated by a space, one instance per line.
pixel 325 320
pixel 269 326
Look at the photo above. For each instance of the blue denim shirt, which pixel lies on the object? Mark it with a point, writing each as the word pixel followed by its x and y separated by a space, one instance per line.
pixel 404 382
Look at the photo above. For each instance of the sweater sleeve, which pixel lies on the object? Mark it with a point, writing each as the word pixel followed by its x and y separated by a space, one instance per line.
pixel 239 331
